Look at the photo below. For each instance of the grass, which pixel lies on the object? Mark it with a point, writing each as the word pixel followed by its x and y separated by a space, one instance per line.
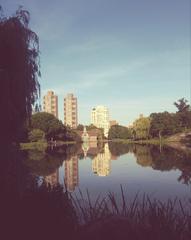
pixel 141 218
pixel 154 141
pixel 42 145
pixel 34 145
pixel 62 215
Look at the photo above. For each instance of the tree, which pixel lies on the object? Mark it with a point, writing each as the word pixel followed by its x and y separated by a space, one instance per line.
pixel 91 126
pixel 52 127
pixel 19 72
pixel 183 114
pixel 36 135
pixel 80 127
pixel 141 127
pixel 163 124
pixel 182 105
pixel 47 123
pixel 118 131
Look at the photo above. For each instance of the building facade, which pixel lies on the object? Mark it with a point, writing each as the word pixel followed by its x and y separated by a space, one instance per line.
pixel 50 103
pixel 70 111
pixel 100 118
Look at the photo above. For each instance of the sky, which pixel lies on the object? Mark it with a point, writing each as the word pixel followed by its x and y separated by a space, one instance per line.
pixel 133 56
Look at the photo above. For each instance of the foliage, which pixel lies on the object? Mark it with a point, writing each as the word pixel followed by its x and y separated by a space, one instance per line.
pixel 163 124
pixel 141 127
pixel 36 135
pixel 118 131
pixel 182 105
pixel 80 127
pixel 52 127
pixel 183 114
pixel 118 148
pixel 90 127
pixel 19 72
pixel 42 164
pixel 41 146
pixel 184 119
pixel 46 122
pixel 72 135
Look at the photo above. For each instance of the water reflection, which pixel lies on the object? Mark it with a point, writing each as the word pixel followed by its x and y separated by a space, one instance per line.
pixel 52 179
pixel 101 163
pixel 71 176
pixel 82 165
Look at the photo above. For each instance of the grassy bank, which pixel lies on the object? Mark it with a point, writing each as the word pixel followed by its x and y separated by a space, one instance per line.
pixel 33 145
pixel 42 145
pixel 149 141
pixel 178 138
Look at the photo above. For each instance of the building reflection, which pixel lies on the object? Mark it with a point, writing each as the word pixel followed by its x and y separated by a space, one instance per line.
pixel 85 148
pixel 71 176
pixel 101 164
pixel 52 179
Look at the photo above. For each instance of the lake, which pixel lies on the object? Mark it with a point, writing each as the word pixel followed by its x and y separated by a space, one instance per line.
pixel 160 172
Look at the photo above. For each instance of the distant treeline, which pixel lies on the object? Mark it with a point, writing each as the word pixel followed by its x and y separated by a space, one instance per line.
pixel 157 125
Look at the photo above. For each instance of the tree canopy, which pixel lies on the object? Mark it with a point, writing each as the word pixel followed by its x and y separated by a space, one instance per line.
pixel 163 124
pixel 182 105
pixel 19 72
pixel 141 127
pixel 52 127
pixel 118 131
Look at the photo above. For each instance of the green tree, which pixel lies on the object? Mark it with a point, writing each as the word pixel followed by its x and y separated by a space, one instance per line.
pixel 120 132
pixel 80 127
pixel 91 126
pixel 141 127
pixel 163 124
pixel 48 123
pixel 36 135
pixel 52 127
pixel 183 114
pixel 182 105
pixel 19 72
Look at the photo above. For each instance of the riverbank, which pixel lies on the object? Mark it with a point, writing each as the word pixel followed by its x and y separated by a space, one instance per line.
pixel 43 145
pixel 148 141
pixel 183 138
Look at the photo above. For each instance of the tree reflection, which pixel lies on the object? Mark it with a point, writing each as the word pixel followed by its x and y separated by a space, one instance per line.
pixel 118 149
pixel 167 160
pixel 164 160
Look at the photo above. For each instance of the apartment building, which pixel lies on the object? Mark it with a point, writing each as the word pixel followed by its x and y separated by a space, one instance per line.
pixel 50 103
pixel 70 111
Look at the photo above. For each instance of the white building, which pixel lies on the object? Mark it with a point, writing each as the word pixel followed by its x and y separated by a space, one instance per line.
pixel 101 164
pixel 100 118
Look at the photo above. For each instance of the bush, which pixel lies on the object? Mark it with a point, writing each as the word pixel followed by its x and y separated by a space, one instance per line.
pixel 36 135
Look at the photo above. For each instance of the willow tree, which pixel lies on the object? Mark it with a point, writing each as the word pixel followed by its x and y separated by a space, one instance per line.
pixel 19 72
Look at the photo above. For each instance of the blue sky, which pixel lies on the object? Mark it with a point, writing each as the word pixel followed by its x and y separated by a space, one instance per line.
pixel 132 56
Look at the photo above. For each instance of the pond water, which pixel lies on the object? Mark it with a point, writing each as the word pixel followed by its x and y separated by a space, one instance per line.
pixel 161 173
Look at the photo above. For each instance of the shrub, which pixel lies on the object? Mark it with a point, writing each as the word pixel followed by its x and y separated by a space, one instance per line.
pixel 36 135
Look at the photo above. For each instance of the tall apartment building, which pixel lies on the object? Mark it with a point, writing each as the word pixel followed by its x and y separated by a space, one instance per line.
pixel 50 103
pixel 100 118
pixel 70 111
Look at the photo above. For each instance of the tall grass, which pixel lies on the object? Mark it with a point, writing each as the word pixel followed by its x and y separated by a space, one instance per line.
pixel 140 218
pixel 55 213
